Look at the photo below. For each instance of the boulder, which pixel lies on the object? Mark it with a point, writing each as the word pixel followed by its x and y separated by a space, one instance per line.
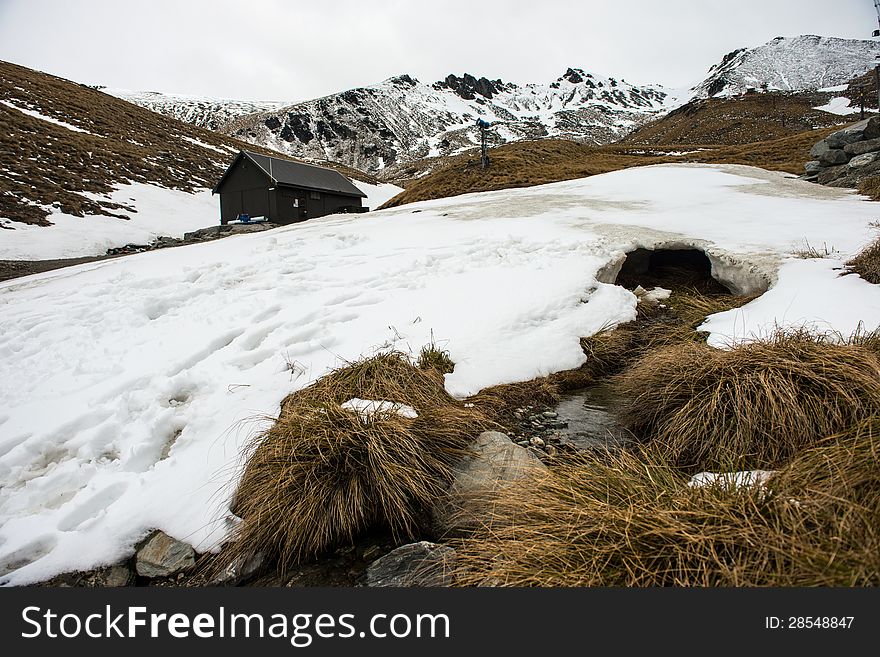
pixel 872 128
pixel 861 147
pixel 818 150
pixel 116 576
pixel 862 160
pixel 833 157
pixel 240 571
pixel 416 564
pixel 813 166
pixel 842 138
pixel 211 232
pixel 494 461
pixel 163 556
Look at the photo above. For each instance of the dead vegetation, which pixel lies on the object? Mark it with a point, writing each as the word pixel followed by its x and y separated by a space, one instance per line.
pixel 528 163
pixel 323 474
pixel 753 406
pixel 867 263
pixel 738 120
pixel 629 518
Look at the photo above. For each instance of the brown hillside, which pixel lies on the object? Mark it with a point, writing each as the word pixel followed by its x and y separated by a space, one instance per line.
pixel 524 164
pixel 742 119
pixel 43 164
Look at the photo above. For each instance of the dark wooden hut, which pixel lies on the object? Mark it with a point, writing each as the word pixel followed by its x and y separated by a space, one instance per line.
pixel 283 191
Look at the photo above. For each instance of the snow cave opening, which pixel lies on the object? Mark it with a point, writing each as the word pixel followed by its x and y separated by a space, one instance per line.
pixel 671 269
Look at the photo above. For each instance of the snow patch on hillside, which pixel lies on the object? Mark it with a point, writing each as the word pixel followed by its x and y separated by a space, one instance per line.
pixel 839 105
pixel 158 211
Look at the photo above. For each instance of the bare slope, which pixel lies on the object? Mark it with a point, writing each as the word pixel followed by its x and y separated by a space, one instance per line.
pixel 524 164
pixel 66 145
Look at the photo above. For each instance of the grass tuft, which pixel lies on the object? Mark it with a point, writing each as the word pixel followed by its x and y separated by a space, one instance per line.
pixel 322 475
pixel 753 406
pixel 867 263
pixel 630 519
pixel 431 357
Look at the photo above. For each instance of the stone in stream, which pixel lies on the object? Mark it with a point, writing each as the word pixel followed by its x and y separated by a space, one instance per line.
pixel 494 460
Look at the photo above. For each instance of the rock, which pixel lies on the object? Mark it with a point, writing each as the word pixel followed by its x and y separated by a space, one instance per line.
pixel 872 129
pixel 861 147
pixel 416 564
pixel 833 156
pixel 163 556
pixel 862 160
pixel 819 149
pixel 843 137
pixel 114 576
pixel 537 442
pixel 813 166
pixel 831 173
pixel 240 571
pixel 494 461
pixel 551 415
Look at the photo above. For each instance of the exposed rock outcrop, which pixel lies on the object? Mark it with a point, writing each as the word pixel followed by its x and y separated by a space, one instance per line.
pixel 847 157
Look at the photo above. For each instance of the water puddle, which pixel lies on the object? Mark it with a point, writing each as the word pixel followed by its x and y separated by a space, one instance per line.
pixel 592 423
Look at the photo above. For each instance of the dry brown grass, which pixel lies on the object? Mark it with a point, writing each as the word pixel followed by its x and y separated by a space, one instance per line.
pixel 867 263
pixel 520 164
pixel 528 163
pixel 321 475
pixel 752 406
pixel 870 187
pixel 630 519
pixel 741 119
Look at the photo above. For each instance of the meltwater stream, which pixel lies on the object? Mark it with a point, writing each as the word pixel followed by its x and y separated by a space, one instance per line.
pixel 591 418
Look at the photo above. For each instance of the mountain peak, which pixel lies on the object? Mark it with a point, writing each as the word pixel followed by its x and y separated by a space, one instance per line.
pixel 800 63
pixel 469 87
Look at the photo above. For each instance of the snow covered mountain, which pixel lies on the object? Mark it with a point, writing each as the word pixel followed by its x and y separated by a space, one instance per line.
pixel 383 127
pixel 802 63
pixel 208 113
pixel 401 119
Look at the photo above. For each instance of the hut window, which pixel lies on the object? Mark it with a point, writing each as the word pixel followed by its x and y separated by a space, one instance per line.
pixel 315 195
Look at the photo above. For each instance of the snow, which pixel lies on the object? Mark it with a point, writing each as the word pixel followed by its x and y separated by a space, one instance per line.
pixel 130 386
pixel 811 294
pixel 799 63
pixel 368 408
pixel 203 111
pixel 43 117
pixel 377 194
pixel 835 88
pixel 839 105
pixel 160 211
pixel 732 481
pixel 198 142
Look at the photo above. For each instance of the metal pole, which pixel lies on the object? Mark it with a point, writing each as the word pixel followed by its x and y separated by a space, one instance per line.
pixel 877 82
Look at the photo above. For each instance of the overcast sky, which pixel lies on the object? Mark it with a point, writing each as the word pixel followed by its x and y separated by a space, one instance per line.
pixel 300 49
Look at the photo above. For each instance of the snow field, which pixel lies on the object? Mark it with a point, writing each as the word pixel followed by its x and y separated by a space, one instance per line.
pixel 130 386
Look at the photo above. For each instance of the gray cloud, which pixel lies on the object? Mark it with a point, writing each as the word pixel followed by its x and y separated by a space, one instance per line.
pixel 293 50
